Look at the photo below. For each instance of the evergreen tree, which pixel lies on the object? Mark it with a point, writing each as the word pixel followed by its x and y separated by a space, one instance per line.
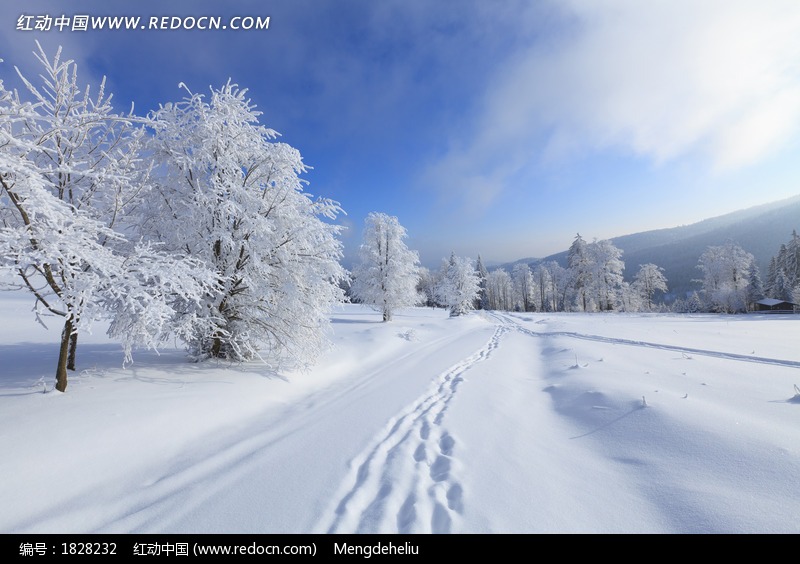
pixel 772 278
pixel 791 263
pixel 695 303
pixel 459 286
pixel 755 288
pixel 783 288
pixel 483 274
pixel 783 275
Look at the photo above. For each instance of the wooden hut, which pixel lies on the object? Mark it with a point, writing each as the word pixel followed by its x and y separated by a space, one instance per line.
pixel 771 304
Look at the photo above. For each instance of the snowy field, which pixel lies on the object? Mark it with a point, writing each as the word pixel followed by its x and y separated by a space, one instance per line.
pixel 490 423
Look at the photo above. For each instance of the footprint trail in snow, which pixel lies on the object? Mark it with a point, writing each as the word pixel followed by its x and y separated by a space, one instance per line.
pixel 407 481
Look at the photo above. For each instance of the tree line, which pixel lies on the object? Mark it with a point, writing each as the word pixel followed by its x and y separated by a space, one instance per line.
pixel 592 281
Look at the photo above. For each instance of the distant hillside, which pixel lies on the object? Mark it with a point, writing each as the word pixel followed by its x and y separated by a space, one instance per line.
pixel 759 230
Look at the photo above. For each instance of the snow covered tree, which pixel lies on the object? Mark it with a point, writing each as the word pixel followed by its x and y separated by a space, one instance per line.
pixel 606 269
pixel 649 280
pixel 499 291
pixel 559 286
pixel 459 287
pixel 694 303
pixel 579 266
pixel 725 277
pixel 524 287
pixel 772 276
pixel 755 288
pixel 229 195
pixel 483 274
pixel 70 170
pixel 426 286
pixel 541 278
pixel 790 261
pixel 783 288
pixel 783 276
pixel 629 298
pixel 386 277
pixel 595 274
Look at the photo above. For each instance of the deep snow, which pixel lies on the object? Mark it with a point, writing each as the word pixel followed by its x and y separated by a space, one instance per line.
pixel 493 422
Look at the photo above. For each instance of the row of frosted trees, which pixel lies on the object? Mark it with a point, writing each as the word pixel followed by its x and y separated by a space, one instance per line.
pixel 389 277
pixel 730 282
pixel 783 275
pixel 593 281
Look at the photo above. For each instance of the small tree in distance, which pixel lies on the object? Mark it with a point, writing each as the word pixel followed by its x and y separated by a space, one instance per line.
pixel 387 275
pixel 725 277
pixel 483 301
pixel 649 279
pixel 459 287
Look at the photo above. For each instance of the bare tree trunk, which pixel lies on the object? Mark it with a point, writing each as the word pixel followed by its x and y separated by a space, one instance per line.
pixel 73 345
pixel 216 347
pixel 61 369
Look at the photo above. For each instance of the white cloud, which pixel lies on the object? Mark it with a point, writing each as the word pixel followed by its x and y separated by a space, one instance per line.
pixel 660 79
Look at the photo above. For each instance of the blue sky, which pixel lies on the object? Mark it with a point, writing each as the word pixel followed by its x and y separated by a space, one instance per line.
pixel 500 128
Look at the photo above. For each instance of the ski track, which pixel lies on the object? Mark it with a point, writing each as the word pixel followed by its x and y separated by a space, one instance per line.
pixel 510 321
pixel 407 481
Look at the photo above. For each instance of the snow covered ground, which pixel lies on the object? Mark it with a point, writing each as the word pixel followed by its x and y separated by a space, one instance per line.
pixel 494 422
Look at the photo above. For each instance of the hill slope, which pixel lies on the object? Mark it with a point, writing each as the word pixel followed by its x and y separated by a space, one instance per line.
pixel 760 230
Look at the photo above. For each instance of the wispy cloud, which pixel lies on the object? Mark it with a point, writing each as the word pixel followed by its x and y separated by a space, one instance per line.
pixel 662 80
